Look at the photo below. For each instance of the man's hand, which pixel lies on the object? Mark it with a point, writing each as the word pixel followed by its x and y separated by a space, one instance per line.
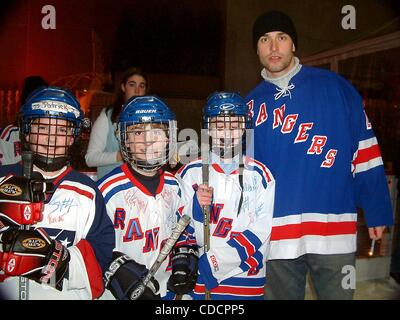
pixel 375 233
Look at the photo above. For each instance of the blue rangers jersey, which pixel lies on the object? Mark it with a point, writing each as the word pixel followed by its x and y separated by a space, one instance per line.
pixel 76 216
pixel 318 142
pixel 234 267
pixel 141 221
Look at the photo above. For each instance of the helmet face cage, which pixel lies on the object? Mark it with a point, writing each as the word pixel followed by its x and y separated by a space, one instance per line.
pixel 50 123
pixel 227 133
pixel 226 119
pixel 147 146
pixel 50 139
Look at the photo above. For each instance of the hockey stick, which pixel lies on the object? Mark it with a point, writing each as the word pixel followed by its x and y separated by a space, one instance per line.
pixel 166 249
pixel 27 162
pixel 205 154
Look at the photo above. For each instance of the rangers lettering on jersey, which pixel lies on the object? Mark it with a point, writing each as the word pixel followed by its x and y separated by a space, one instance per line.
pixel 287 124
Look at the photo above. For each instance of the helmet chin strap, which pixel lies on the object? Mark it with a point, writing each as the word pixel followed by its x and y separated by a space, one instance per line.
pixel 149 166
pixel 46 160
pixel 144 167
pixel 49 164
pixel 45 163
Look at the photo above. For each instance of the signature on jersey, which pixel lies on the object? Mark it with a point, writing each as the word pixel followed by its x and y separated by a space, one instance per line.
pixel 55 218
pixel 251 187
pixel 60 206
pixel 246 203
pixel 168 197
pixel 135 201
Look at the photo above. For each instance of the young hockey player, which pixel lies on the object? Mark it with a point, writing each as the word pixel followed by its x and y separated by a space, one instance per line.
pixel 241 195
pixel 54 229
pixel 143 201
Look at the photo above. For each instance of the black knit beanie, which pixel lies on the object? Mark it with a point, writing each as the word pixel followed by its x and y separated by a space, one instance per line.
pixel 273 21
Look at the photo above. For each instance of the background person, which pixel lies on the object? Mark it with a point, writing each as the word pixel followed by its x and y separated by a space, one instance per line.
pixel 103 150
pixel 10 146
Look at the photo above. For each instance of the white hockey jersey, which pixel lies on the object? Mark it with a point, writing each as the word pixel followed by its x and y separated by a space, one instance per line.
pixel 142 222
pixel 10 146
pixel 234 267
pixel 76 216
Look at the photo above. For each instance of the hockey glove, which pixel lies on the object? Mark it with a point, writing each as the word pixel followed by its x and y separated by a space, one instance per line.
pixel 34 255
pixel 184 269
pixel 124 275
pixel 22 199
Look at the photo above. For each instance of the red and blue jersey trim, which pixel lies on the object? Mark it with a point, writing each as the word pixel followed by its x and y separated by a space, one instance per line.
pixel 233 289
pixel 246 243
pixel 7 131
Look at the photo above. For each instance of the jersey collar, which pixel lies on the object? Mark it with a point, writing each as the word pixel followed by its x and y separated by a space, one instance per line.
pixel 139 185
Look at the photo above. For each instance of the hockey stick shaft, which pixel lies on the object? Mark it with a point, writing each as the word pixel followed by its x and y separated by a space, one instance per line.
pixel 27 163
pixel 27 167
pixel 205 156
pixel 169 244
pixel 166 249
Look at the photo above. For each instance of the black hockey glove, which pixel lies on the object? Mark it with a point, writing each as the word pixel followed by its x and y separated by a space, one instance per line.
pixel 124 275
pixel 184 269
pixel 33 255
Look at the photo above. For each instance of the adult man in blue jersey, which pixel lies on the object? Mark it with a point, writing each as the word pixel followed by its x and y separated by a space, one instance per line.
pixel 312 132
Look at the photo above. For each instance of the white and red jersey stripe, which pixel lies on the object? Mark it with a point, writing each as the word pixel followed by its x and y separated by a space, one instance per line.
pixel 367 156
pixel 230 292
pixel 295 235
